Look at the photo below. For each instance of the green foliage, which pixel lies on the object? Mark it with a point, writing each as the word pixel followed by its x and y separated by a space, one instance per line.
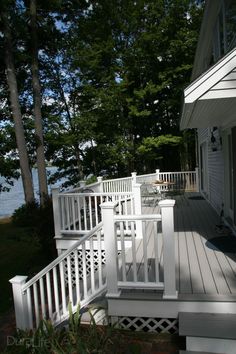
pixel 92 179
pixel 112 75
pixel 20 253
pixel 156 151
pixel 73 338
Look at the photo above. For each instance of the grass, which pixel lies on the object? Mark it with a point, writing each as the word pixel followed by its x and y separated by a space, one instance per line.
pixel 20 254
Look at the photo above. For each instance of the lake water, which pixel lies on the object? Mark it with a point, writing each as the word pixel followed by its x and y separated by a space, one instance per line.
pixel 9 201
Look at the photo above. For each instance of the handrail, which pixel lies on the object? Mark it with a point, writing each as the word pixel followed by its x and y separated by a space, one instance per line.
pixel 97 194
pixel 119 218
pixel 61 257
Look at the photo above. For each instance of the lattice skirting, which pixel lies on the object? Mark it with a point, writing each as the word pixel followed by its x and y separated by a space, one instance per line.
pixel 80 264
pixel 146 324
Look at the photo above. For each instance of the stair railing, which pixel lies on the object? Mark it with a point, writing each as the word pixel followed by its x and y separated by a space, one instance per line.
pixel 75 277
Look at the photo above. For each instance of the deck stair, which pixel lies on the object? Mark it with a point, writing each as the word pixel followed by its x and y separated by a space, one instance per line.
pixel 191 352
pixel 208 332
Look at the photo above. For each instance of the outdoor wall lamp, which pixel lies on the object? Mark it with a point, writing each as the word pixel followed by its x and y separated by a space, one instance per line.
pixel 215 143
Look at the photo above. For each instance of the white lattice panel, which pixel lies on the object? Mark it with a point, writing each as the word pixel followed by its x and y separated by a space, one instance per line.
pixel 80 263
pixel 146 324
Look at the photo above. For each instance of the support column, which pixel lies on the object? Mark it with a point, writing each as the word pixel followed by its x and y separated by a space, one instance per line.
pixel 167 214
pixel 158 174
pixel 99 179
pixel 82 184
pixel 110 242
pixel 134 177
pixel 20 302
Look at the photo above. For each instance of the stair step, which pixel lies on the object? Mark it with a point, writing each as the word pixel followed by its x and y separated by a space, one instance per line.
pixel 207 325
pixel 191 352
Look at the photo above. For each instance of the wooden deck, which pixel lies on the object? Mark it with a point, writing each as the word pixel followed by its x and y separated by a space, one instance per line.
pixel 205 276
pixel 201 268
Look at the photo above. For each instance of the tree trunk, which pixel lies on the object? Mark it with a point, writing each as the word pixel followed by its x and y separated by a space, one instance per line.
pixel 42 175
pixel 16 111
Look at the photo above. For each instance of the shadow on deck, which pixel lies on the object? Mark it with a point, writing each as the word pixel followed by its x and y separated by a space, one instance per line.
pixel 205 258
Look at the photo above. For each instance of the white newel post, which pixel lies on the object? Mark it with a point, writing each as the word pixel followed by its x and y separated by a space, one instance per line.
pixel 157 174
pixel 108 212
pixel 134 177
pixel 138 208
pixel 20 302
pixel 56 211
pixel 167 214
pixel 82 184
pixel 99 179
pixel 197 179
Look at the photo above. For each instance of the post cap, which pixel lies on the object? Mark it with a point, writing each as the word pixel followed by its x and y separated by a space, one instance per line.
pixel 108 205
pixel 137 185
pixel 18 279
pixel 166 203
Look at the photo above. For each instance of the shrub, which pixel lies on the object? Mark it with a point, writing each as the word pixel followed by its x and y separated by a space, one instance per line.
pixel 26 215
pixel 39 219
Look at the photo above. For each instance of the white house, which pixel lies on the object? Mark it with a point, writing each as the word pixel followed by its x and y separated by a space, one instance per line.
pixel 210 106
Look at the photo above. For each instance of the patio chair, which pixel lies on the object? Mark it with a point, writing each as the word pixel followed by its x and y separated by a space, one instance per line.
pixel 150 195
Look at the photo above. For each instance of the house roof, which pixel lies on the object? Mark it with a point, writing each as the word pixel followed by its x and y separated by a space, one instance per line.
pixel 211 99
pixel 204 49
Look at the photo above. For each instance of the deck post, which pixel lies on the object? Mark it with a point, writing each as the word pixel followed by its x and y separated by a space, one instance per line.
pixel 134 177
pixel 167 214
pixel 56 211
pixel 110 243
pixel 138 208
pixel 82 184
pixel 20 302
pixel 197 179
pixel 99 179
pixel 157 174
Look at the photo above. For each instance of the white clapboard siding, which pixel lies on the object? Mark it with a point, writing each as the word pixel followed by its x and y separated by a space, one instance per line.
pixel 215 171
pixel 202 135
pixel 216 178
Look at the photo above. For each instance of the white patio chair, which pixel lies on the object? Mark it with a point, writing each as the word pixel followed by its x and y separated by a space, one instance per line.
pixel 150 195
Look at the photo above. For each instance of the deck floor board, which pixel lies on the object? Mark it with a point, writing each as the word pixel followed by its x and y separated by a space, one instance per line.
pixel 201 268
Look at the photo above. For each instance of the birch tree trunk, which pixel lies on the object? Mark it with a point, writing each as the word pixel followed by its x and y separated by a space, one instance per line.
pixel 42 175
pixel 16 111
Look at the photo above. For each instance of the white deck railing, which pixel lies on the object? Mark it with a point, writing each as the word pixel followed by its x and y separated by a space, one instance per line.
pixel 77 277
pixel 184 181
pixel 118 185
pixel 76 213
pixel 71 278
pixel 79 213
pixel 138 266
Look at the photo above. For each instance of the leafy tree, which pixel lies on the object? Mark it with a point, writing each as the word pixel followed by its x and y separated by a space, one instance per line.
pixel 15 105
pixel 111 74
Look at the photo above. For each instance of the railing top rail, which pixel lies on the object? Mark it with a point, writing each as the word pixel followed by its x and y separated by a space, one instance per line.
pixel 97 194
pixel 156 217
pixel 148 174
pixel 61 257
pixel 177 172
pixel 117 179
